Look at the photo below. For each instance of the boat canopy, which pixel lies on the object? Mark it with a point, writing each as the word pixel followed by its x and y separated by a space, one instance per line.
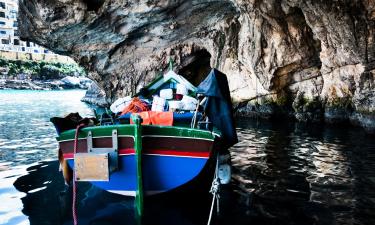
pixel 218 106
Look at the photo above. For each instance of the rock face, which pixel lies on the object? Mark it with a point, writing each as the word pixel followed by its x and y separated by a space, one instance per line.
pixel 311 59
pixel 94 95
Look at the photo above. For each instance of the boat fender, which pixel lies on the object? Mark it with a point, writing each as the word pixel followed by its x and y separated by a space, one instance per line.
pixel 224 169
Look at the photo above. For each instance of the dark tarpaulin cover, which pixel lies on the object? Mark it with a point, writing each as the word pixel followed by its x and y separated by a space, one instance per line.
pixel 218 106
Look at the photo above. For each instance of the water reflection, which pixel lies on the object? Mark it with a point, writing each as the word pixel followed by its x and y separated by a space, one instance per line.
pixel 48 201
pixel 294 173
pixel 283 174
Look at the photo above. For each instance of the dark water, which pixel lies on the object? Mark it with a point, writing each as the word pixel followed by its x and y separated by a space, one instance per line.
pixel 284 173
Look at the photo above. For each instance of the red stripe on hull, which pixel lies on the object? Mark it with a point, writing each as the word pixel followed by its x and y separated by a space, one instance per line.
pixel 161 152
pixel 177 153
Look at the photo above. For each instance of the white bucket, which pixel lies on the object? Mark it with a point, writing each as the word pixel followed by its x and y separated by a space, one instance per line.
pixel 181 89
pixel 174 105
pixel 158 104
pixel 189 103
pixel 166 94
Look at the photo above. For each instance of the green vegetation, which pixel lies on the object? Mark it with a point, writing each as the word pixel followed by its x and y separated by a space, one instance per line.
pixel 40 70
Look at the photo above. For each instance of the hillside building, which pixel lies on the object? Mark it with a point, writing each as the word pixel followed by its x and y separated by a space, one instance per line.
pixel 11 46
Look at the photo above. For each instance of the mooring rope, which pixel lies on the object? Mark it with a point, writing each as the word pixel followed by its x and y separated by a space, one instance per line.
pixel 74 210
pixel 215 188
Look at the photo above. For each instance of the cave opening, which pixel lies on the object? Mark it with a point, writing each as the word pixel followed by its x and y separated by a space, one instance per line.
pixel 94 5
pixel 196 67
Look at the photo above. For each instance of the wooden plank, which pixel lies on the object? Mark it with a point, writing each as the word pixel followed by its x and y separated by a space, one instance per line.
pixel 91 167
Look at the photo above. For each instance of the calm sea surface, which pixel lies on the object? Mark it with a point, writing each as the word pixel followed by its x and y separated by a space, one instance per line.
pixel 283 173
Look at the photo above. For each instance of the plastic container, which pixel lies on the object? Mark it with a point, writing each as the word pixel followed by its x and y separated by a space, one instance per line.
pixel 189 103
pixel 181 89
pixel 158 104
pixel 166 94
pixel 175 105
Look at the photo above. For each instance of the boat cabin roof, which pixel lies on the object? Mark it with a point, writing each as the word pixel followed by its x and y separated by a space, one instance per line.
pixel 169 80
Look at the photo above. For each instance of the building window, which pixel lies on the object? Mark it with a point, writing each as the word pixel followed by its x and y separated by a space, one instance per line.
pixel 27 43
pixel 23 49
pixel 36 51
pixel 16 42
pixel 3 32
pixel 4 41
pixel 2 23
pixel 15 24
pixel 2 14
pixel 46 51
pixel 2 5
pixel 16 33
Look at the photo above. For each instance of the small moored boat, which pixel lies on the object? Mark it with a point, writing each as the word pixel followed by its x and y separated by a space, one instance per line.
pixel 147 153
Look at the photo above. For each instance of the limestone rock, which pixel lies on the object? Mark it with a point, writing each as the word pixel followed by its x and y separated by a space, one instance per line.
pixel 94 95
pixel 270 49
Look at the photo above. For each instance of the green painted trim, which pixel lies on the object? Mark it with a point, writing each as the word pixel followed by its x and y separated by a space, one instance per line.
pixel 154 81
pixel 152 91
pixel 177 132
pixel 98 131
pixel 137 120
pixel 128 130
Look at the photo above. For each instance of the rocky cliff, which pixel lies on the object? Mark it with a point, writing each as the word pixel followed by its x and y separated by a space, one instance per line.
pixel 310 59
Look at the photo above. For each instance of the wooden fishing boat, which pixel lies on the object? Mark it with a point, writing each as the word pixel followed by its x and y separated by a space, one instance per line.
pixel 133 159
pixel 107 156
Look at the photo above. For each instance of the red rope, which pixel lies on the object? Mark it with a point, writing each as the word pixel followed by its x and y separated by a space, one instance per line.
pixel 74 210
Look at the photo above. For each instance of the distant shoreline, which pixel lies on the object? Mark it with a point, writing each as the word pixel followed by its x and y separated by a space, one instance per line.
pixel 12 84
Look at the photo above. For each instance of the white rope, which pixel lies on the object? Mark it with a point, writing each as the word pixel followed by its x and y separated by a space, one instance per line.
pixel 215 188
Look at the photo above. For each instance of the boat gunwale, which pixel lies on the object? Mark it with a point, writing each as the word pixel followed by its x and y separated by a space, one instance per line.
pixel 130 136
pixel 169 131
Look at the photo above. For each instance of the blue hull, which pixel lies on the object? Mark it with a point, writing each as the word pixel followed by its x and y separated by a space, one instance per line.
pixel 160 174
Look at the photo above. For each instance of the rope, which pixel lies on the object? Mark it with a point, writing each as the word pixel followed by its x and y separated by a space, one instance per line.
pixel 215 188
pixel 74 210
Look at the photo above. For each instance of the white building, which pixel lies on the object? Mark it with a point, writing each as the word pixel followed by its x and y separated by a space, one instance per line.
pixel 9 34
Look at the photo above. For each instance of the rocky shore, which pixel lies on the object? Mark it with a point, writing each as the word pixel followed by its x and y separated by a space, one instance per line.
pixel 65 83
pixel 308 112
pixel 94 95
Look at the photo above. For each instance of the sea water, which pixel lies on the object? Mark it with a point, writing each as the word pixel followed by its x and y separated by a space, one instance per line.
pixel 283 173
pixel 27 139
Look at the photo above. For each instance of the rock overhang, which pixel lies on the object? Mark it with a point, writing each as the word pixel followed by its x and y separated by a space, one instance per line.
pixel 269 49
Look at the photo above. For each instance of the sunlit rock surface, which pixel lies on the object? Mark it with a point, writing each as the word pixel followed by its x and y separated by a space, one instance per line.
pixel 310 59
